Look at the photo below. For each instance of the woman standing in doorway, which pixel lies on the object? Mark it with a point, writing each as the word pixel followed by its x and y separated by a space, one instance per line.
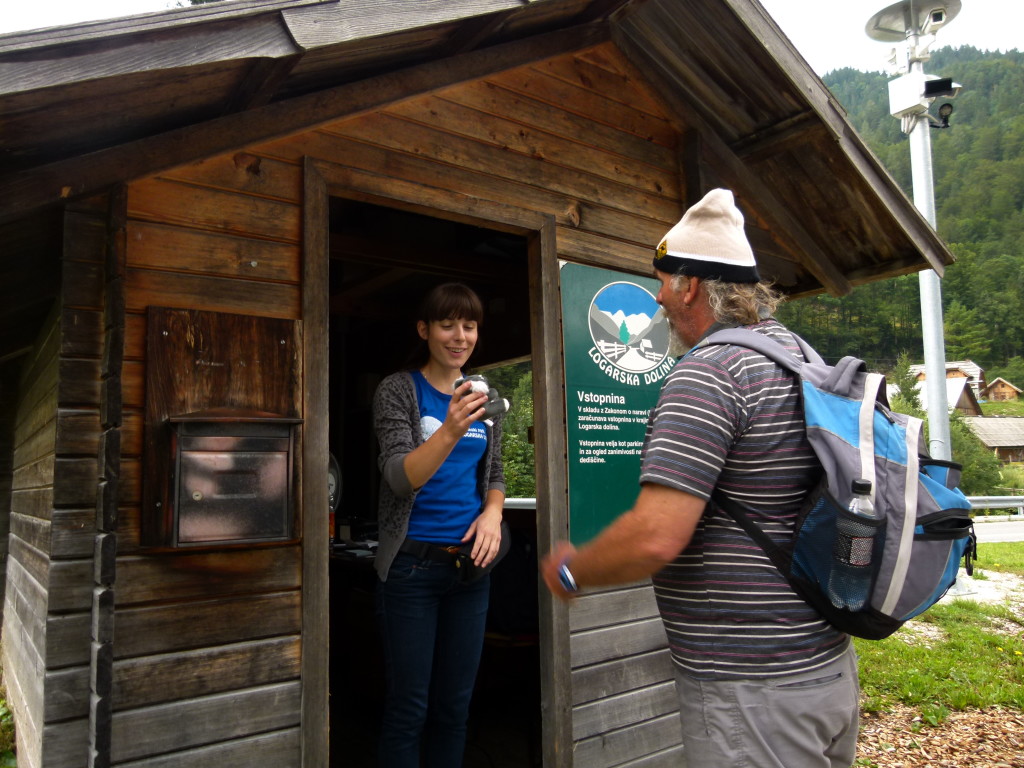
pixel 443 487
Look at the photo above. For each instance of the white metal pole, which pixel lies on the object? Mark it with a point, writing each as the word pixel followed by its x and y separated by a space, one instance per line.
pixel 931 291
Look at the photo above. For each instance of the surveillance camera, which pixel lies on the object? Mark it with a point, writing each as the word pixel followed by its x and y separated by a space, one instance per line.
pixel 940 86
pixel 937 18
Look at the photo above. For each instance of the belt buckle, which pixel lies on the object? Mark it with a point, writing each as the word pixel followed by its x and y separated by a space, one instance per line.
pixel 454 552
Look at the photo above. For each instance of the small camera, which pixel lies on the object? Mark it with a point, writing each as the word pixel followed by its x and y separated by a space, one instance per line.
pixel 495 404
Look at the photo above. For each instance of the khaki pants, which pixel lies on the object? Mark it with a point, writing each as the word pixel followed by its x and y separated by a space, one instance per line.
pixel 806 720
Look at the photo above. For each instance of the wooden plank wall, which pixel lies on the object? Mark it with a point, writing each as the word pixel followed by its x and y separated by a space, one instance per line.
pixel 206 645
pixel 577 139
pixel 66 701
pixel 8 396
pixel 25 613
pixel 624 695
pixel 53 508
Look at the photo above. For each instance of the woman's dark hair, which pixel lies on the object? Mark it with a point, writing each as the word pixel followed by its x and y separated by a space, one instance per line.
pixel 451 301
pixel 448 301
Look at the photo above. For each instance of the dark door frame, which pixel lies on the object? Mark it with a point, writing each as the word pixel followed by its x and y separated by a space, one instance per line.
pixel 321 182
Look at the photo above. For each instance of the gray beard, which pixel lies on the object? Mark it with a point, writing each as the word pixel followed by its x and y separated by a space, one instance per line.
pixel 676 346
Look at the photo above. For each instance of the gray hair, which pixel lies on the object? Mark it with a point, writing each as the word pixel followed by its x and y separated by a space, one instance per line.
pixel 743 303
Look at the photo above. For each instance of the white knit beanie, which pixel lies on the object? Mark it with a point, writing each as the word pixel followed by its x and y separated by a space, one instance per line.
pixel 709 242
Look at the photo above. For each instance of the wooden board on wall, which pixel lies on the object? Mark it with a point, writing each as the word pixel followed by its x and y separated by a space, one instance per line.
pixel 275 748
pixel 204 361
pixel 217 717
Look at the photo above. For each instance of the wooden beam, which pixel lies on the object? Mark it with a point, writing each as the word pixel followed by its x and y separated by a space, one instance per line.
pixel 552 492
pixel 339 23
pixel 780 137
pixel 474 32
pixel 155 23
pixel 316 635
pixel 35 188
pixel 785 223
pixel 602 9
pixel 261 83
pixel 359 290
pixel 422 258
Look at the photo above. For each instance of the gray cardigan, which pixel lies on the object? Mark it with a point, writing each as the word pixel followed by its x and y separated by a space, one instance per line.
pixel 396 420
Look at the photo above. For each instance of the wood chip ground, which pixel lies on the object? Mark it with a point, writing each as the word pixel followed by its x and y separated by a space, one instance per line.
pixel 973 738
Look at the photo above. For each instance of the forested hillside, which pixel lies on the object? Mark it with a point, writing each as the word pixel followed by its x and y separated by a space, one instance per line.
pixel 979 195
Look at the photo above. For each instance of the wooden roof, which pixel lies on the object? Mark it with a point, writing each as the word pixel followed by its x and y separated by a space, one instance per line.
pixel 89 106
pixel 969 368
pixel 998 432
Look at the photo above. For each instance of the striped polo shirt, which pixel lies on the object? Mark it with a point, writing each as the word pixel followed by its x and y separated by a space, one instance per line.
pixel 728 417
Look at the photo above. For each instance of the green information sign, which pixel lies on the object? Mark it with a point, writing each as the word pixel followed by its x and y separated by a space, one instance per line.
pixel 616 354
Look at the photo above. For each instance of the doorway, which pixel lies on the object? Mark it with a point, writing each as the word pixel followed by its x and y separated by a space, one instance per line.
pixel 383 260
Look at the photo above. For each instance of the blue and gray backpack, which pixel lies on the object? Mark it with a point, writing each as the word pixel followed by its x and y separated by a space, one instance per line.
pixel 923 527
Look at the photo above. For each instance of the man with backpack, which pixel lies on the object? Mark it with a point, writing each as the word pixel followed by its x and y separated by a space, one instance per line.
pixel 763 679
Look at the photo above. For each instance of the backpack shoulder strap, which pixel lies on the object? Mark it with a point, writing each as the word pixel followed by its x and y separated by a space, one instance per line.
pixel 838 378
pixel 780 556
pixel 765 345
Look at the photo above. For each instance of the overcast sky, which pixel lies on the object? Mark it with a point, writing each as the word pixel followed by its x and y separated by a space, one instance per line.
pixel 828 33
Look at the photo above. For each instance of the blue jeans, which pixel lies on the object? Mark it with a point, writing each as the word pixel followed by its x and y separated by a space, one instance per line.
pixel 432 630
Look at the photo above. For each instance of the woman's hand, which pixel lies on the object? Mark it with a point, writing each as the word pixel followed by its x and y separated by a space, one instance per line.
pixel 465 408
pixel 485 533
pixel 422 462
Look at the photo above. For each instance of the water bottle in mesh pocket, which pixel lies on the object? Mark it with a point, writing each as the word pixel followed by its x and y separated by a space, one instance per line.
pixel 850 576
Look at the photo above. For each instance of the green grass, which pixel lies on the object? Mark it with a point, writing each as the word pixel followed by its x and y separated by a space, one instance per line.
pixel 1003 408
pixel 1011 480
pixel 7 758
pixel 976 658
pixel 1006 557
pixel 974 664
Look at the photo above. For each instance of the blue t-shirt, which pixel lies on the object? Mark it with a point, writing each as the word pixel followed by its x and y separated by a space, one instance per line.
pixel 450 501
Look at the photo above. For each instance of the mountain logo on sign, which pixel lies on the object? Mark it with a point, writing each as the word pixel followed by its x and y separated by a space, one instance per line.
pixel 628 327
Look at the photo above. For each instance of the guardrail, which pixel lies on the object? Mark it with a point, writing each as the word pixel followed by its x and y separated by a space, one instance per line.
pixel 520 503
pixel 998 502
pixel 978 502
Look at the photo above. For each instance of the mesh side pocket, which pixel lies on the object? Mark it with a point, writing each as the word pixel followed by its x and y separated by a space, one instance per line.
pixel 815 534
pixel 857 545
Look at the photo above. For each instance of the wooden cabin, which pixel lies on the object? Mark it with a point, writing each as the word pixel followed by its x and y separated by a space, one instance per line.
pixel 1004 436
pixel 958 369
pixel 1000 390
pixel 213 223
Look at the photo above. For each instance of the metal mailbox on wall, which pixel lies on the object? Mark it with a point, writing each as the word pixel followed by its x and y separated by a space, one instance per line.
pixel 221 448
pixel 232 479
